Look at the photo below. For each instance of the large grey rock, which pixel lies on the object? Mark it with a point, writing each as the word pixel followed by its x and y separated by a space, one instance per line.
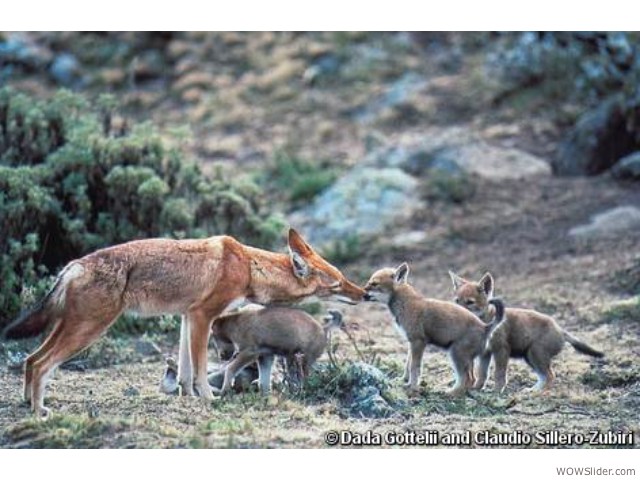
pixel 600 138
pixel 628 167
pixel 454 151
pixel 609 223
pixel 363 203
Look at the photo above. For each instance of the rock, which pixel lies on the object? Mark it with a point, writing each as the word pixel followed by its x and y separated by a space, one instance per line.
pixel 22 50
pixel 490 162
pixel 455 151
pixel 324 67
pixel 65 70
pixel 367 387
pixel 609 223
pixel 131 391
pixel 147 347
pixel 409 239
pixel 363 203
pixel 396 95
pixel 600 138
pixel 627 167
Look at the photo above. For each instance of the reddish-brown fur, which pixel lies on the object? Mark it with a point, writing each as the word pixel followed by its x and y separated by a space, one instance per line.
pixel 198 279
pixel 523 334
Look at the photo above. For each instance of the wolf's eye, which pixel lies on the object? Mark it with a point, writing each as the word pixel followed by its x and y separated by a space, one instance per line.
pixel 470 302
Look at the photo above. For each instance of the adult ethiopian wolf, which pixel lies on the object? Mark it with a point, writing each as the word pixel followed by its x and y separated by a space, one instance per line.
pixel 198 279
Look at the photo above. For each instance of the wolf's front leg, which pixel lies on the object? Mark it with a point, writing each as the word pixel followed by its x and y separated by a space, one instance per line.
pixel 185 371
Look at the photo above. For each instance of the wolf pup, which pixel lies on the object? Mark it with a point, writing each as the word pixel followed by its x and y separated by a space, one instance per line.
pixel 198 279
pixel 263 334
pixel 425 321
pixel 524 334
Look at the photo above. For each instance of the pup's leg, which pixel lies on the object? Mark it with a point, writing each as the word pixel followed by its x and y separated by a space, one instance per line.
pixel 501 359
pixel 483 371
pixel 241 360
pixel 407 363
pixel 462 365
pixel 416 351
pixel 265 363
pixel 540 361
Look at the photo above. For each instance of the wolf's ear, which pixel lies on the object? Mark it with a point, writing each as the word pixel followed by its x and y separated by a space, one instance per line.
pixel 300 266
pixel 297 243
pixel 401 274
pixel 457 280
pixel 486 285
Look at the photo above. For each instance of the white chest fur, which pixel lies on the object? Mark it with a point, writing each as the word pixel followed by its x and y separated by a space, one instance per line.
pixel 399 328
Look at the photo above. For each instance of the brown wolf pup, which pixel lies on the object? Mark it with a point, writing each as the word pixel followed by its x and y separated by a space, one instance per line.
pixel 263 334
pixel 198 279
pixel 425 321
pixel 287 332
pixel 524 334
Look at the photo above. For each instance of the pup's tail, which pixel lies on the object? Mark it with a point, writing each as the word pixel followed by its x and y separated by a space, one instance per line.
pixel 35 321
pixel 333 320
pixel 581 346
pixel 499 316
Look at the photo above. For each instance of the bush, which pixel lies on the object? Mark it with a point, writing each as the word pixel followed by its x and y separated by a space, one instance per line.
pixel 300 179
pixel 69 184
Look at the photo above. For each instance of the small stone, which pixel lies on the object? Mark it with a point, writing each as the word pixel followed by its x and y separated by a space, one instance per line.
pixel 627 168
pixel 65 69
pixel 147 347
pixel 131 391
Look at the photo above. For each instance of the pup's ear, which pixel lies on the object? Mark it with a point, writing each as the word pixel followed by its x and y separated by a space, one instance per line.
pixel 401 274
pixel 486 285
pixel 300 266
pixel 457 280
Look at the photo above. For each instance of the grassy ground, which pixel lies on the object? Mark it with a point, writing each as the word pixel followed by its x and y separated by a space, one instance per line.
pixel 585 286
pixel 249 105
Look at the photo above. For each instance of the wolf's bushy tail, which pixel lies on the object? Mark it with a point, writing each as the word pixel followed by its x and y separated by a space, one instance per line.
pixel 34 321
pixel 581 346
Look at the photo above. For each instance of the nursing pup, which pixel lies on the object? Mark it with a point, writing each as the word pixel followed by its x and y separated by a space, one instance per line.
pixel 258 336
pixel 524 334
pixel 424 321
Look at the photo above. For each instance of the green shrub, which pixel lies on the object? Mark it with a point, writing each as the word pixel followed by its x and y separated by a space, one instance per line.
pixel 300 179
pixel 70 185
